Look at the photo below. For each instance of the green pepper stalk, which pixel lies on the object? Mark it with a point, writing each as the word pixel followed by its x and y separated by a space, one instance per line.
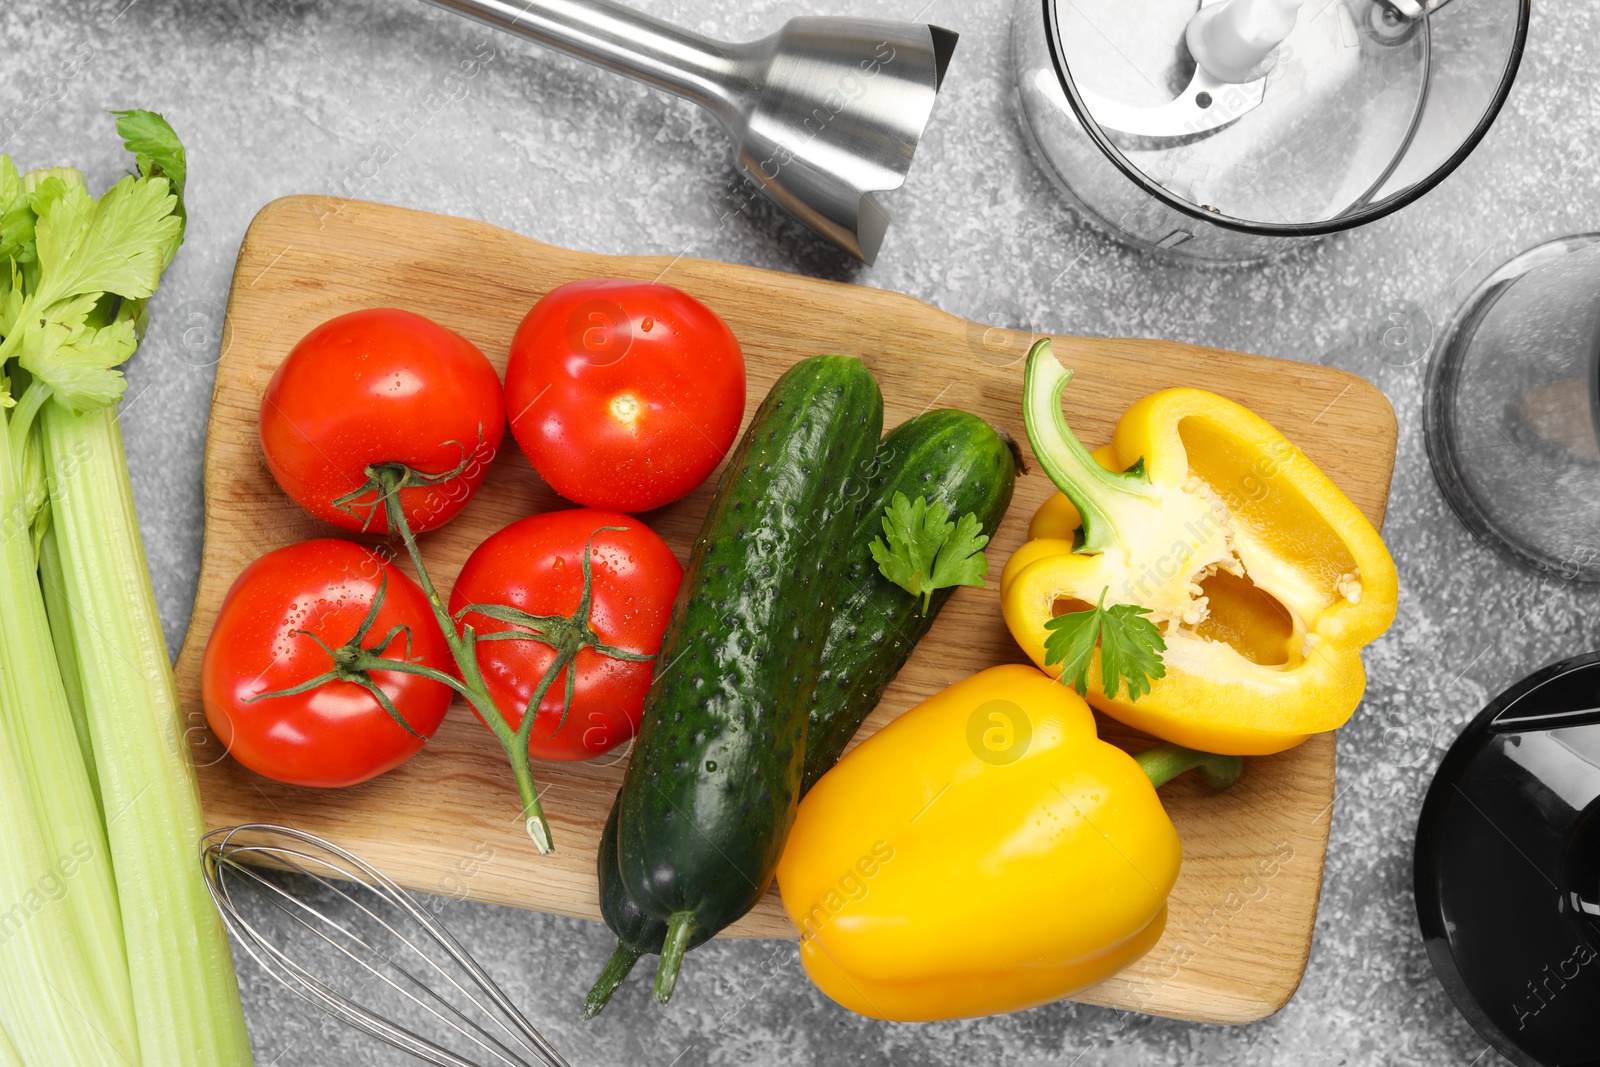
pixel 1112 504
pixel 1120 510
pixel 1165 762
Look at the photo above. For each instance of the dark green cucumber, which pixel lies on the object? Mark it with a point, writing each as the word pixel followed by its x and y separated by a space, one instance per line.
pixel 951 458
pixel 712 788
pixel 638 932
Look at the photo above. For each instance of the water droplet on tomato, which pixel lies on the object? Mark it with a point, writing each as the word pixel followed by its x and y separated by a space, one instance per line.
pixel 647 325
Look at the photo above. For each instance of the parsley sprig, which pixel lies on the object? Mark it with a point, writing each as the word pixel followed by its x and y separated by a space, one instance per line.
pixel 922 550
pixel 1130 647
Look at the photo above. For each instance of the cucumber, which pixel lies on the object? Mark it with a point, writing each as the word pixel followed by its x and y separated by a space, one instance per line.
pixel 711 791
pixel 638 932
pixel 952 458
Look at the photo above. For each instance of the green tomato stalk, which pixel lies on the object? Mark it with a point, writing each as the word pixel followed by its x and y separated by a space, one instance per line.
pixel 567 635
pixel 354 661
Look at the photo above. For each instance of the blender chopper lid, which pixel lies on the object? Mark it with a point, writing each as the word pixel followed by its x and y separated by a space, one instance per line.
pixel 1362 107
pixel 1507 868
pixel 1511 410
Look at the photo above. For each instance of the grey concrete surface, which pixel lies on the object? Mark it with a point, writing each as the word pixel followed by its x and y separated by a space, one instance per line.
pixel 287 96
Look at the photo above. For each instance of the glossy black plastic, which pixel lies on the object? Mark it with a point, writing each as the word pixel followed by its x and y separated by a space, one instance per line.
pixel 1507 869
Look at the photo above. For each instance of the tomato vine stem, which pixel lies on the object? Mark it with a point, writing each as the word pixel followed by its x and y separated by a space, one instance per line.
pixel 389 479
pixel 567 635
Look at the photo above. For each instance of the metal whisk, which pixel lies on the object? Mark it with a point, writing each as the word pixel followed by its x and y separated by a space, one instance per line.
pixel 406 961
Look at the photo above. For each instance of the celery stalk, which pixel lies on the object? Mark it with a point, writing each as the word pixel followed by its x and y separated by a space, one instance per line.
pixel 69 861
pixel 76 273
pixel 9 1056
pixel 186 998
pixel 60 614
pixel 42 998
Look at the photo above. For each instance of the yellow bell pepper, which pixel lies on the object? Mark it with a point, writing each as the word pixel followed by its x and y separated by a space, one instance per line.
pixel 983 853
pixel 1264 579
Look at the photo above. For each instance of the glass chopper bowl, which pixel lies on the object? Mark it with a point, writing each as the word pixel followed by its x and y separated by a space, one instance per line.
pixel 1232 130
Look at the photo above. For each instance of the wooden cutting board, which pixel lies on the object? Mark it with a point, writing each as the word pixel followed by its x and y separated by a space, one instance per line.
pixel 447 823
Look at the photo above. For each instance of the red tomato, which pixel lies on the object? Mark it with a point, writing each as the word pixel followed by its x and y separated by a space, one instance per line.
pixel 624 395
pixel 336 734
pixel 536 566
pixel 382 386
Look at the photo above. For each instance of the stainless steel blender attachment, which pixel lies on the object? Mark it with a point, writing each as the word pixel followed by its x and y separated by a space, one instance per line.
pixel 1512 412
pixel 824 113
pixel 1230 130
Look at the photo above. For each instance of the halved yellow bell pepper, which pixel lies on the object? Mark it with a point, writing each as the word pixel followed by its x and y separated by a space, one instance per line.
pixel 1264 578
pixel 983 853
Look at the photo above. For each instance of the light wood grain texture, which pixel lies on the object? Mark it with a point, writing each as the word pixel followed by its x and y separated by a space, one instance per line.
pixel 447 823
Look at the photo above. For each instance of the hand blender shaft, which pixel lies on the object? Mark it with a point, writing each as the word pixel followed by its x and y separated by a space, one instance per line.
pixel 824 113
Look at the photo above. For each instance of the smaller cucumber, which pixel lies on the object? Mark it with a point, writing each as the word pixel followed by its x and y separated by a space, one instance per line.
pixel 954 459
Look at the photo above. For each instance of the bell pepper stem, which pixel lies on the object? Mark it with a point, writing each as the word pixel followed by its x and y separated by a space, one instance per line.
pixel 1102 497
pixel 1165 762
pixel 679 930
pixel 611 976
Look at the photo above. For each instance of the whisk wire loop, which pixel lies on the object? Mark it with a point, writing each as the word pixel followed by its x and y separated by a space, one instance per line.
pixel 233 859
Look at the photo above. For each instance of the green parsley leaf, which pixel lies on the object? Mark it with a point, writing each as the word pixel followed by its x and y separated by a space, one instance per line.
pixel 1130 648
pixel 922 550
pixel 961 560
pixel 914 545
pixel 1071 643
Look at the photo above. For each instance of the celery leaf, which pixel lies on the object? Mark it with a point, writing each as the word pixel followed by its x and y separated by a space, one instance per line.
pixel 16 215
pixel 157 153
pixel 10 183
pixel 75 359
pixel 114 245
pixel 11 297
pixel 155 146
pixel 80 270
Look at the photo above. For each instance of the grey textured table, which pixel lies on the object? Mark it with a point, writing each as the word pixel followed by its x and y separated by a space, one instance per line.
pixel 288 96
